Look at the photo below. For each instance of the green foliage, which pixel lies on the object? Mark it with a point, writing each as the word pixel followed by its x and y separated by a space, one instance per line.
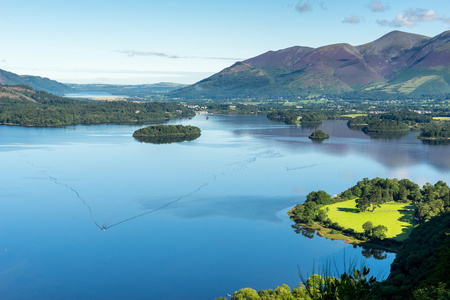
pixel 319 135
pixel 354 284
pixel 320 197
pixel 245 294
pixel 37 108
pixel 292 117
pixel 368 227
pixel 159 134
pixel 439 130
pixel 310 211
pixel 439 292
pixel 434 201
pixel 388 190
pixel 422 264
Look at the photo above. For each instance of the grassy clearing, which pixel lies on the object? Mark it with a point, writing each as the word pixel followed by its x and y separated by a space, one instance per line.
pixel 398 218
pixel 354 115
pixel 442 118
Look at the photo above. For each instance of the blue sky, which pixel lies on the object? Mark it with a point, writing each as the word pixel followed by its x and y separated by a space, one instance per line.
pixel 136 42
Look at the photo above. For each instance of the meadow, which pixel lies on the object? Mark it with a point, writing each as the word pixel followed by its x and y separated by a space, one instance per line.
pixel 397 217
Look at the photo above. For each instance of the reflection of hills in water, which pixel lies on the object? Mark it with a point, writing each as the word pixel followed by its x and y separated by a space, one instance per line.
pixel 165 139
pixel 395 152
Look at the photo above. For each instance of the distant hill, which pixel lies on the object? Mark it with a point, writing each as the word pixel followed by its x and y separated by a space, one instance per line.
pixel 128 90
pixel 398 62
pixel 51 86
pixel 36 82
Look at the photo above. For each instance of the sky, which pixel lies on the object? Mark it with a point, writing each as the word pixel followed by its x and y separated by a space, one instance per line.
pixel 144 42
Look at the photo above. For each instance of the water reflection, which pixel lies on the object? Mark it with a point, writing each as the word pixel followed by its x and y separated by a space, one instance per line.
pixel 436 142
pixel 165 139
pixel 367 252
pixel 395 150
pixel 387 135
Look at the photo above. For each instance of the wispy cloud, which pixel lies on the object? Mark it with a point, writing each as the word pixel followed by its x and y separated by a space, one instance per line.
pixel 411 17
pixel 353 19
pixel 133 53
pixel 377 6
pixel 322 6
pixel 303 6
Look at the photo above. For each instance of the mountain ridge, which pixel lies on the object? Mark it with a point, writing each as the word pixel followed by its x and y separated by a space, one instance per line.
pixel 396 63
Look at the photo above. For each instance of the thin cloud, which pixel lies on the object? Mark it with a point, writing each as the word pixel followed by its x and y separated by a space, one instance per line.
pixel 133 53
pixel 353 19
pixel 303 6
pixel 377 6
pixel 411 17
pixel 322 5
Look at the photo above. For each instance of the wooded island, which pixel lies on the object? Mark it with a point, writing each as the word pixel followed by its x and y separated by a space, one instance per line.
pixel 165 134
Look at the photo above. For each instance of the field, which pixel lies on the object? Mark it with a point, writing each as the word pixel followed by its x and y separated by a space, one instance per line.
pixel 442 118
pixel 398 218
pixel 354 115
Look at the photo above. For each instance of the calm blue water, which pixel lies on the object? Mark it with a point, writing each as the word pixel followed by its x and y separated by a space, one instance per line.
pixel 194 220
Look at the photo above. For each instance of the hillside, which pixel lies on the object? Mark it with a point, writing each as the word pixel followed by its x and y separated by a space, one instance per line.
pixel 36 82
pixel 54 87
pixel 397 63
pixel 128 90
pixel 21 105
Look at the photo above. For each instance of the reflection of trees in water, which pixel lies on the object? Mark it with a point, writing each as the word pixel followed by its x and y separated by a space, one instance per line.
pixel 387 135
pixel 166 139
pixel 305 231
pixel 367 252
pixel 378 254
pixel 436 142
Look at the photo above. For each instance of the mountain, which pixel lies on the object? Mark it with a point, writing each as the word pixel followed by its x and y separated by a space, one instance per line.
pixel 398 63
pixel 128 90
pixel 36 82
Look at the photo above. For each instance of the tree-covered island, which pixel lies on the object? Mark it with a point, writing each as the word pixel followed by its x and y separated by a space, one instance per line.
pixel 319 135
pixel 165 134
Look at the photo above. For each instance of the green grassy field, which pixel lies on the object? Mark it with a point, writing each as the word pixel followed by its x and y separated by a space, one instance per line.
pixel 398 218
pixel 354 115
pixel 442 118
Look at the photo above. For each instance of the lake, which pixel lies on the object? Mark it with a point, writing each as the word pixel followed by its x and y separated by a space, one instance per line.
pixel 193 220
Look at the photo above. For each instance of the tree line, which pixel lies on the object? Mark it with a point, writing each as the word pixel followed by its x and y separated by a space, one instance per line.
pixel 38 108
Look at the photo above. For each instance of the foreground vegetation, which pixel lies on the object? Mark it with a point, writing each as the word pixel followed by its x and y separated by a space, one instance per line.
pixel 419 271
pixel 421 267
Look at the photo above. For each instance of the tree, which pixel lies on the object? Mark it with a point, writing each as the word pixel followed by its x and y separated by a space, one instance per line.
pixel 320 197
pixel 379 232
pixel 245 294
pixel 368 227
pixel 363 203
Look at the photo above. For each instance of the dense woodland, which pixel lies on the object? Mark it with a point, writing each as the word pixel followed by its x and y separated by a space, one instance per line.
pixel 319 135
pixel 164 134
pixel 292 117
pixel 38 108
pixel 437 130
